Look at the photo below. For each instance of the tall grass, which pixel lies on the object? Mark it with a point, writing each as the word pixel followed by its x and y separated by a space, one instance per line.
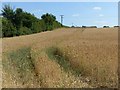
pixel 19 65
pixel 54 53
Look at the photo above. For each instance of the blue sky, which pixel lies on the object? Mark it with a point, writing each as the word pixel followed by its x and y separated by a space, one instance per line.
pixel 78 13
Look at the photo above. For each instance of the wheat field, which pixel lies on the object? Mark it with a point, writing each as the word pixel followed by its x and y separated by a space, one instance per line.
pixel 63 58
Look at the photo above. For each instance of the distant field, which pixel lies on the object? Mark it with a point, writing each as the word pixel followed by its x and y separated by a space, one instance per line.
pixel 66 57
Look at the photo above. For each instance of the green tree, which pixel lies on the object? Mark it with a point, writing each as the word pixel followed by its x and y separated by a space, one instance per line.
pixel 24 31
pixel 18 22
pixel 18 18
pixel 48 19
pixel 28 20
pixel 38 26
pixel 8 13
pixel 56 24
pixel 8 30
pixel 42 25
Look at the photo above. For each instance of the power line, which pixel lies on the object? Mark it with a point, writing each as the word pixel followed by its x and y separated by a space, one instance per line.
pixel 61 19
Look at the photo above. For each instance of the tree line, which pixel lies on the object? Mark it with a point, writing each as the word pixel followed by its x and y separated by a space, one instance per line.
pixel 18 22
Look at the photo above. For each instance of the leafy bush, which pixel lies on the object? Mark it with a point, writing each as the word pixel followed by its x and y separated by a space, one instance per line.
pixel 105 26
pixel 24 31
pixel 8 30
pixel 38 26
pixel 83 26
pixel 56 24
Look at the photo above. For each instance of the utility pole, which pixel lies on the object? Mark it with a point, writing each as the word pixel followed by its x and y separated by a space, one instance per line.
pixel 61 19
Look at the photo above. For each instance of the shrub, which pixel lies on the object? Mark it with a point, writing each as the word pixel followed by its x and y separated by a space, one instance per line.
pixel 83 26
pixel 8 30
pixel 56 24
pixel 105 26
pixel 24 31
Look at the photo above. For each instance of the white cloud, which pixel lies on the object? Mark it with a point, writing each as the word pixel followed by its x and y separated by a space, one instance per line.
pixel 97 8
pixel 76 15
pixel 101 15
pixel 102 22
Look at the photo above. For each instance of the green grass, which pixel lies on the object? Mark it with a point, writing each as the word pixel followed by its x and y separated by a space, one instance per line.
pixel 54 53
pixel 19 65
